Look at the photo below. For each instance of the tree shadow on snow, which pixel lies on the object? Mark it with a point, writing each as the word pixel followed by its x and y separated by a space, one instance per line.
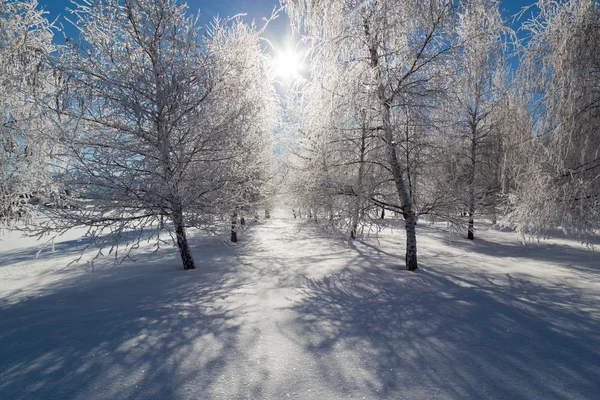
pixel 43 249
pixel 432 334
pixel 576 257
pixel 136 338
pixel 148 330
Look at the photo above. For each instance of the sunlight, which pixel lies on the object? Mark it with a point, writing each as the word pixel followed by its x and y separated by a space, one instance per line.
pixel 288 65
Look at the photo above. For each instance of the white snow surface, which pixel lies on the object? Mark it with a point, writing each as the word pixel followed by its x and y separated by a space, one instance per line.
pixel 293 312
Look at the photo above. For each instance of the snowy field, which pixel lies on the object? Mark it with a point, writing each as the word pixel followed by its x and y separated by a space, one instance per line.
pixel 290 312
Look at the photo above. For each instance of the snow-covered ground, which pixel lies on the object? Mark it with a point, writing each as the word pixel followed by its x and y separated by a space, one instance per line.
pixel 292 312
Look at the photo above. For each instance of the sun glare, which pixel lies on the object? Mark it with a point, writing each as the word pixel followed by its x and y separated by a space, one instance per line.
pixel 288 65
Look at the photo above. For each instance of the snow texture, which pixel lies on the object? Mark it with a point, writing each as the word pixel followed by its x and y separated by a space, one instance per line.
pixel 292 312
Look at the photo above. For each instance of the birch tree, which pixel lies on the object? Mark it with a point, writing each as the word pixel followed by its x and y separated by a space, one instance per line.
pixel 481 84
pixel 250 101
pixel 401 47
pixel 155 117
pixel 334 162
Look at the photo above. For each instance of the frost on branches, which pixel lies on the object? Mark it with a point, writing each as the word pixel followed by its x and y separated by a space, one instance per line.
pixel 163 126
pixel 398 52
pixel 560 185
pixel 25 42
pixel 465 180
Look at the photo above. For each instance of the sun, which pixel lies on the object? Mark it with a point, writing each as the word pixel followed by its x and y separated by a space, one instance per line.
pixel 288 65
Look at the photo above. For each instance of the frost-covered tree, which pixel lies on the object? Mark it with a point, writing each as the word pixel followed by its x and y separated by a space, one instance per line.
pixel 560 184
pixel 249 106
pixel 473 139
pixel 401 48
pixel 25 42
pixel 159 120
pixel 340 154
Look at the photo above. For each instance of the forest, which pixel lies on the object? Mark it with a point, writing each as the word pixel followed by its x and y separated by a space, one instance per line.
pixel 443 137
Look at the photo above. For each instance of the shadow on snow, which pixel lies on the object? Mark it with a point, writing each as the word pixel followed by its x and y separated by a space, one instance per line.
pixel 435 334
pixel 442 332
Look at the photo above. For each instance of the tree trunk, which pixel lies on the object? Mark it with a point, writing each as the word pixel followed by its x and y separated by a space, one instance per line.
pixel 382 212
pixel 399 181
pixel 410 220
pixel 177 211
pixel 359 183
pixel 234 227
pixel 182 243
pixel 470 229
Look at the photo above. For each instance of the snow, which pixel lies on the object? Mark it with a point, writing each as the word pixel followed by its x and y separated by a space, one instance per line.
pixel 291 311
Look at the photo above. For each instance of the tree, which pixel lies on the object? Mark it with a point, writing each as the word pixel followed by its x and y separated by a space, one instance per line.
pixel 156 119
pixel 400 48
pixel 337 161
pixel 25 42
pixel 252 102
pixel 479 86
pixel 559 185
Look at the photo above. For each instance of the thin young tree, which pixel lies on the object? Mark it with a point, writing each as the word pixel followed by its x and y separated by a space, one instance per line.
pixel 245 90
pixel 481 84
pixel 339 147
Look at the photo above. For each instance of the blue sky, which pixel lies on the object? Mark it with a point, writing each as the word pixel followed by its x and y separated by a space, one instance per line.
pixel 208 8
pixel 278 32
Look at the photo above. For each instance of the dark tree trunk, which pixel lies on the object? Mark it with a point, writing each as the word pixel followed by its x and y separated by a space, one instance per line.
pixel 411 242
pixel 471 229
pixel 382 212
pixel 473 156
pixel 234 227
pixel 182 243
pixel 357 213
pixel 410 220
